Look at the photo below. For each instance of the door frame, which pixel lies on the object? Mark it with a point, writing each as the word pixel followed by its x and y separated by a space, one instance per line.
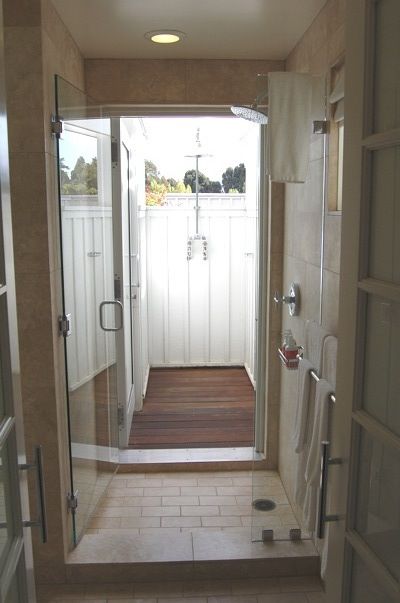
pixel 263 274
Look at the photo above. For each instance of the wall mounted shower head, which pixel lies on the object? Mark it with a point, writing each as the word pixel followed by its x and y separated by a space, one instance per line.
pixel 252 113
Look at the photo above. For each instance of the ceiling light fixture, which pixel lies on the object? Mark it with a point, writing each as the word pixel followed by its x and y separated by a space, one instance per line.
pixel 165 36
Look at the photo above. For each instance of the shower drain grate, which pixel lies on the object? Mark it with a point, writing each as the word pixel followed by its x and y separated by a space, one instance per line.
pixel 264 504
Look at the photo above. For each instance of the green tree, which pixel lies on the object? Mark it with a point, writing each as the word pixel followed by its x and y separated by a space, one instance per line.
pixel 64 176
pixel 214 186
pixel 190 180
pixel 235 178
pixel 172 184
pixel 83 180
pixel 150 171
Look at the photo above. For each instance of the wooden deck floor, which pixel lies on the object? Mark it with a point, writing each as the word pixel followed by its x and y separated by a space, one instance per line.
pixel 195 408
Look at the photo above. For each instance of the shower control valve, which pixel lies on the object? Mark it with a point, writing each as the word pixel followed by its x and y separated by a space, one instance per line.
pixel 205 250
pixel 292 300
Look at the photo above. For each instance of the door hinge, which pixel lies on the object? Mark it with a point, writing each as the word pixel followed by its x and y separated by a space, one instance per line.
pixel 117 287
pixel 121 418
pixel 72 501
pixel 56 126
pixel 65 325
pixel 320 126
pixel 114 152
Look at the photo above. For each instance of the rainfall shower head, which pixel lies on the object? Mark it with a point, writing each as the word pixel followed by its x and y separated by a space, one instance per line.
pixel 252 113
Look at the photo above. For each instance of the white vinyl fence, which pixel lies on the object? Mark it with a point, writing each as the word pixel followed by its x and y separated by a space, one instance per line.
pixel 201 312
pixel 196 312
pixel 88 270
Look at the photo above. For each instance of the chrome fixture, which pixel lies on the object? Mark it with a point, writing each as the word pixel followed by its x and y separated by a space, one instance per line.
pixel 292 300
pixel 204 246
pixel 326 461
pixel 116 304
pixel 295 534
pixel 267 535
pixel 253 112
pixel 37 466
pixel 197 236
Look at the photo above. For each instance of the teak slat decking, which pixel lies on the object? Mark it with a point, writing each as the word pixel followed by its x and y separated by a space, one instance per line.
pixel 195 408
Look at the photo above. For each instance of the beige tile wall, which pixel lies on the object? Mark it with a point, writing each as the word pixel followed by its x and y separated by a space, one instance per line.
pixel 316 52
pixel 195 82
pixel 38 45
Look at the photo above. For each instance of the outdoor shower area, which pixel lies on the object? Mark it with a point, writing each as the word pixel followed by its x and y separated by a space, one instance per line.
pixel 198 260
pixel 201 311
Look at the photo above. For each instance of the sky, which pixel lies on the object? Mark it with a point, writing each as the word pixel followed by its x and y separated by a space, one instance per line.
pixel 168 140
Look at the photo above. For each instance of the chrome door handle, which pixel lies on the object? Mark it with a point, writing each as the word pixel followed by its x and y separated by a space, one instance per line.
pixel 41 521
pixel 325 462
pixel 114 302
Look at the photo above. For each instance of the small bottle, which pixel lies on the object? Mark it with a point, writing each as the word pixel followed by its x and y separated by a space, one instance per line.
pixel 285 339
pixel 291 348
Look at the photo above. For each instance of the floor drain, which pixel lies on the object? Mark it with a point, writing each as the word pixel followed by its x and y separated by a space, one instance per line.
pixel 264 504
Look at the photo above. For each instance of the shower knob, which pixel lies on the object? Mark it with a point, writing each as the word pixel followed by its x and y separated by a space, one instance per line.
pixel 292 300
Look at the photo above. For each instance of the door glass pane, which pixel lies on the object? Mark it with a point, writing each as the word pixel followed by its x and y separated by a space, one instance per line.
pixel 385 215
pixel 381 373
pixel 364 587
pixel 88 286
pixel 5 372
pixel 6 517
pixel 377 512
pixel 13 595
pixel 387 66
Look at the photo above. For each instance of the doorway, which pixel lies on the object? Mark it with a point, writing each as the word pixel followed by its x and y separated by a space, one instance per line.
pixel 187 233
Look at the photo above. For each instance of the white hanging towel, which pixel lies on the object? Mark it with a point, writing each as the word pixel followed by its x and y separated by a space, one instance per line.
pixel 313 344
pixel 314 338
pixel 302 411
pixel 319 434
pixel 289 125
pixel 329 357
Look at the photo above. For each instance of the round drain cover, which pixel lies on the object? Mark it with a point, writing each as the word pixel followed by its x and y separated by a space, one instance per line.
pixel 264 504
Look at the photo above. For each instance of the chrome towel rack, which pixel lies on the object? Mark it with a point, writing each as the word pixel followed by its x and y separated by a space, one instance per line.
pixel 326 461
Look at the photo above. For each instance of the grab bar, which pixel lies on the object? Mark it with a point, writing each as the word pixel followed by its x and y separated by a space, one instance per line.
pixel 41 521
pixel 325 462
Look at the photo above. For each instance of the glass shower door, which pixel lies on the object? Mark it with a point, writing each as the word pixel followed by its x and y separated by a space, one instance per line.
pixel 92 316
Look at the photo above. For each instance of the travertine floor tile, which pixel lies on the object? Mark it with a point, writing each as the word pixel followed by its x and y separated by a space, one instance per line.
pixel 301 584
pixel 194 500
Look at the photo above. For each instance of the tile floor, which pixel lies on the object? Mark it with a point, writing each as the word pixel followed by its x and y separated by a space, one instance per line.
pixel 172 503
pixel 271 590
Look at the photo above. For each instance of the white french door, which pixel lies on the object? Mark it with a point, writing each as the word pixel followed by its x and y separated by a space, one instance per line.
pixel 364 554
pixel 16 560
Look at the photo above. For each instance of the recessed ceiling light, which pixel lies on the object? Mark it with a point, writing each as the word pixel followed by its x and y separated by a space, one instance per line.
pixel 165 36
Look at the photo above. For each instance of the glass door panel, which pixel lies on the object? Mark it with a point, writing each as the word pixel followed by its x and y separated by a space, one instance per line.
pixel 377 513
pixel 364 588
pixel 84 157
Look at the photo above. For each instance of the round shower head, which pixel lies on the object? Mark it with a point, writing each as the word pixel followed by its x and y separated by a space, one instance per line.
pixel 250 113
